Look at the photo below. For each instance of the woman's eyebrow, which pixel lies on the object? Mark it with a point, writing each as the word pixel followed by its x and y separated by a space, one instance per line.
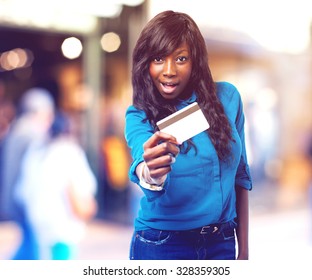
pixel 178 51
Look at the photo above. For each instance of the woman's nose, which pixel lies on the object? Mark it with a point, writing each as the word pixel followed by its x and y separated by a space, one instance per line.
pixel 169 68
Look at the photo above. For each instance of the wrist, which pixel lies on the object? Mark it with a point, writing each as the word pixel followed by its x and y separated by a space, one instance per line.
pixel 145 175
pixel 147 182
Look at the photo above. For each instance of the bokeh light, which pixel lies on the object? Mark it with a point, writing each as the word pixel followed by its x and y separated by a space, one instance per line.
pixel 15 59
pixel 72 48
pixel 110 42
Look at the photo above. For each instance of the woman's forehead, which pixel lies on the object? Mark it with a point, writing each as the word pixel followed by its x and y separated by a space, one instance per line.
pixel 172 47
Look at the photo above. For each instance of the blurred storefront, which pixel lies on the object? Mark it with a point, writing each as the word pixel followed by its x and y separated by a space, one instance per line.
pixel 81 54
pixel 267 58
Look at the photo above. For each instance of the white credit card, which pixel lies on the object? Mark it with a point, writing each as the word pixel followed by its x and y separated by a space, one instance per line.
pixel 185 123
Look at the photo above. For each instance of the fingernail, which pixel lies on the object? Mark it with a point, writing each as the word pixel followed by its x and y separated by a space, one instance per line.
pixel 173 159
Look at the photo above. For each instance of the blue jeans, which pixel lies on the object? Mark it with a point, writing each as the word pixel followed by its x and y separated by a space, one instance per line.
pixel 214 242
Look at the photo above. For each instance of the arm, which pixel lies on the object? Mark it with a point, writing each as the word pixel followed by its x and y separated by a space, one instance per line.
pixel 84 207
pixel 159 153
pixel 243 184
pixel 242 206
pixel 150 157
pixel 82 183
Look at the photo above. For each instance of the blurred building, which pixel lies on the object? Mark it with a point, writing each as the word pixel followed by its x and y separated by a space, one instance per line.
pixel 91 81
pixel 81 54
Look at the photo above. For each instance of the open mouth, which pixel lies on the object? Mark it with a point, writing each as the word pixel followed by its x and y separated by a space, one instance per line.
pixel 168 87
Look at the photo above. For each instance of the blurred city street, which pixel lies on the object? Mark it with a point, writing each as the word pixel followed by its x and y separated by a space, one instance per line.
pixel 275 234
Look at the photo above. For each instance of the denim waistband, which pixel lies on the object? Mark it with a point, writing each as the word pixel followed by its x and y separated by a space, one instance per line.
pixel 214 228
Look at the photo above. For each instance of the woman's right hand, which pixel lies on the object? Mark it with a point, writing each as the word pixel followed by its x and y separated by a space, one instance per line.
pixel 160 151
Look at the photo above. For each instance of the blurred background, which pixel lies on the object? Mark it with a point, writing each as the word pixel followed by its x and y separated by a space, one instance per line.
pixel 82 52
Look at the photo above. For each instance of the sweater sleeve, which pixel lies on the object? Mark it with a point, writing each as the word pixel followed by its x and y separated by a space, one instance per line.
pixel 243 178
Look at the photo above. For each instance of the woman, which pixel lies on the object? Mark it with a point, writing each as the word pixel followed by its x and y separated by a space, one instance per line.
pixel 196 193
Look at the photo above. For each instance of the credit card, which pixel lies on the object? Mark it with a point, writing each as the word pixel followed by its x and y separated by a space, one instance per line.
pixel 185 123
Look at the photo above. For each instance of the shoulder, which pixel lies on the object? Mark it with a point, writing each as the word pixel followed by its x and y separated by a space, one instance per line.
pixel 229 95
pixel 230 98
pixel 227 91
pixel 136 125
pixel 134 115
pixel 132 110
pixel 65 148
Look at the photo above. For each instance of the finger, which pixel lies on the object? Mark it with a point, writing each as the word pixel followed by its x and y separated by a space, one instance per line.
pixel 174 150
pixel 159 172
pixel 159 162
pixel 160 150
pixel 159 137
pixel 173 158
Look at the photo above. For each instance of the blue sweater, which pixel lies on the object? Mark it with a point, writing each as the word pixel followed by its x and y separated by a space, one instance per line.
pixel 200 189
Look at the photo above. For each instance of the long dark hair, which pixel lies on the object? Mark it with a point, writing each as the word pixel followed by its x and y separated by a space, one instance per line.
pixel 160 37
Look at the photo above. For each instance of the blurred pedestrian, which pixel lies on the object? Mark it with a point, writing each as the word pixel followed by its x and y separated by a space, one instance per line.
pixel 196 193
pixel 58 190
pixel 7 112
pixel 7 115
pixel 34 119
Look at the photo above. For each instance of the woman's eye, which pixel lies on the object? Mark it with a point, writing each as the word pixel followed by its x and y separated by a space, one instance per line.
pixel 157 59
pixel 182 58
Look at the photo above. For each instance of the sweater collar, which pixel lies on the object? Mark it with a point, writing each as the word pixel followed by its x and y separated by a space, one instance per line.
pixel 185 102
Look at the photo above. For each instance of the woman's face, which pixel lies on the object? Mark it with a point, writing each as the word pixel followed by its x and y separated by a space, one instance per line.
pixel 171 74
